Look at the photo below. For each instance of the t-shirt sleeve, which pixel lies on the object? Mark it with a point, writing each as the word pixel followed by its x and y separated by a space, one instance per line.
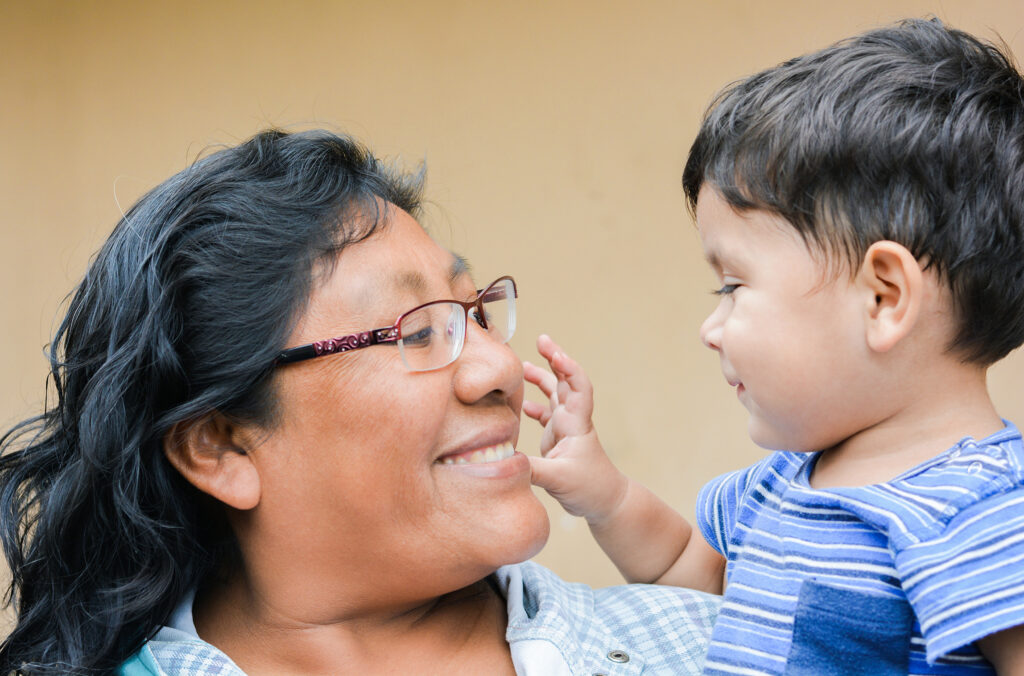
pixel 717 504
pixel 968 581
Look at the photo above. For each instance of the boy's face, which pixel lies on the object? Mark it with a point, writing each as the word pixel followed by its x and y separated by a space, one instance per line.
pixel 791 338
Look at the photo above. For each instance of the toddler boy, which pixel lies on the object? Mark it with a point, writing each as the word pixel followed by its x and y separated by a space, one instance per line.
pixel 863 209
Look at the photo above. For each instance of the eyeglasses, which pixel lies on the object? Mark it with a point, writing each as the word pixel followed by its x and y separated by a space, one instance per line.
pixel 429 336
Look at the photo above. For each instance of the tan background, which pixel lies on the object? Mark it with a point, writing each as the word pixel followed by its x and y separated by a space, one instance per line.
pixel 554 134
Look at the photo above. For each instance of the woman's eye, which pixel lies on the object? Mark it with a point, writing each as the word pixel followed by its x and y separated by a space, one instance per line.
pixel 419 338
pixel 475 314
pixel 725 290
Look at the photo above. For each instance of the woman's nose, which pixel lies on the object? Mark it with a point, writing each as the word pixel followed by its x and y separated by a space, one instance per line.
pixel 486 366
pixel 711 329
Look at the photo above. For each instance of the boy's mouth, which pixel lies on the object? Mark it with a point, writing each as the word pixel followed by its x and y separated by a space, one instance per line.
pixel 737 383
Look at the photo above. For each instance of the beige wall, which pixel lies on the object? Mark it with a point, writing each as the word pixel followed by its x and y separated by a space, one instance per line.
pixel 554 134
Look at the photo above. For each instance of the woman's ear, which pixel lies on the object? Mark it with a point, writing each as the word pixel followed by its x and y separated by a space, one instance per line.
pixel 893 285
pixel 208 453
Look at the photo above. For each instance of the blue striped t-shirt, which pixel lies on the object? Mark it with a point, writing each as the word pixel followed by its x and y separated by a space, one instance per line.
pixel 909 573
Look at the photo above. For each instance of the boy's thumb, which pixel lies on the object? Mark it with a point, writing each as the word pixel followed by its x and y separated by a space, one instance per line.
pixel 543 472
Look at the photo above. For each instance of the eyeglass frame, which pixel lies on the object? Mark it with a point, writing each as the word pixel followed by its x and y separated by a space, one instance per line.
pixel 389 334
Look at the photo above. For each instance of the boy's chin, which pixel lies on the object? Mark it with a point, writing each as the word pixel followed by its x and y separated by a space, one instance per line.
pixel 771 439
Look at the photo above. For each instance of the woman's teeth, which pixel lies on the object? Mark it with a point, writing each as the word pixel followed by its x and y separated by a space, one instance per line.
pixel 489 454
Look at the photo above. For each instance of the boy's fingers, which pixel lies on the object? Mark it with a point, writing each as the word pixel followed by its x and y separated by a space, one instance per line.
pixel 532 409
pixel 546 346
pixel 545 380
pixel 532 372
pixel 575 376
pixel 538 412
pixel 563 390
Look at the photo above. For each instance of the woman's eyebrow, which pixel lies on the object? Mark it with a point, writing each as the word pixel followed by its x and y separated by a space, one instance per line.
pixel 460 266
pixel 416 282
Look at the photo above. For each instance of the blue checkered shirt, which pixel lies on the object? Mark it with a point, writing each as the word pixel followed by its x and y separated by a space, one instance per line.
pixel 617 631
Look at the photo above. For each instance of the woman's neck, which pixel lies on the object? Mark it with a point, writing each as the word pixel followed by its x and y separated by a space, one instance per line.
pixel 460 632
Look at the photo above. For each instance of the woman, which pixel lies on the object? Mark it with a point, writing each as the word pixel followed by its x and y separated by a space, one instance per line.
pixel 251 467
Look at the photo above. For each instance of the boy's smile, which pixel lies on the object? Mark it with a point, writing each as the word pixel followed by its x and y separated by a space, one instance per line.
pixel 788 331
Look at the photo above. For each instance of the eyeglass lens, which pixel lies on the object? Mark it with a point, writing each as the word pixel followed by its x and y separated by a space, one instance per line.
pixel 432 337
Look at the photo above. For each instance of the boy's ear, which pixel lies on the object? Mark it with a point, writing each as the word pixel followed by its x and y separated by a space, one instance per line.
pixel 894 288
pixel 208 453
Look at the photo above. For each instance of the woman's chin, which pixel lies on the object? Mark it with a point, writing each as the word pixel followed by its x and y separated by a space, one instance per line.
pixel 527 536
pixel 540 536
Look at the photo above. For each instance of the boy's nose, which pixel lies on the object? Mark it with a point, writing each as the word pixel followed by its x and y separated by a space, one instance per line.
pixel 711 331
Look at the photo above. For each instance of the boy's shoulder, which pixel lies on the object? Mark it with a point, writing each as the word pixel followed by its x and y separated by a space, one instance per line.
pixel 972 474
pixel 965 481
pixel 970 483
pixel 961 571
pixel 985 466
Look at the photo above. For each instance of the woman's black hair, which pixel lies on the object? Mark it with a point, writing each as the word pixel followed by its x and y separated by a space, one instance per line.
pixel 913 133
pixel 180 314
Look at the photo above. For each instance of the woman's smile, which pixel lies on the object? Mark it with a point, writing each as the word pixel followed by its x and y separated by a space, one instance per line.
pixel 500 461
pixel 480 455
pixel 487 455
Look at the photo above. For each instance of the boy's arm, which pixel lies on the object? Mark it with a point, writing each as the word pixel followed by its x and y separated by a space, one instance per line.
pixel 646 539
pixel 650 542
pixel 1005 650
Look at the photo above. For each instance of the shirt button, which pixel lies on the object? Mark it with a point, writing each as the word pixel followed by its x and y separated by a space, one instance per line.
pixel 618 656
pixel 974 467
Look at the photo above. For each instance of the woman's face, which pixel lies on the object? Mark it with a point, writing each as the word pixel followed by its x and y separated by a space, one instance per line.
pixel 354 493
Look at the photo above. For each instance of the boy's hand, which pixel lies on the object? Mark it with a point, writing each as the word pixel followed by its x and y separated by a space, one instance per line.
pixel 644 537
pixel 573 468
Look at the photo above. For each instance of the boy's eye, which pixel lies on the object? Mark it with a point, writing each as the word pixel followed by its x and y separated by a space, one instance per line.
pixel 725 290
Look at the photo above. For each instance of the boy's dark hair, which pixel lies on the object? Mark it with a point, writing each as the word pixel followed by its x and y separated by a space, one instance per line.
pixel 181 313
pixel 912 133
